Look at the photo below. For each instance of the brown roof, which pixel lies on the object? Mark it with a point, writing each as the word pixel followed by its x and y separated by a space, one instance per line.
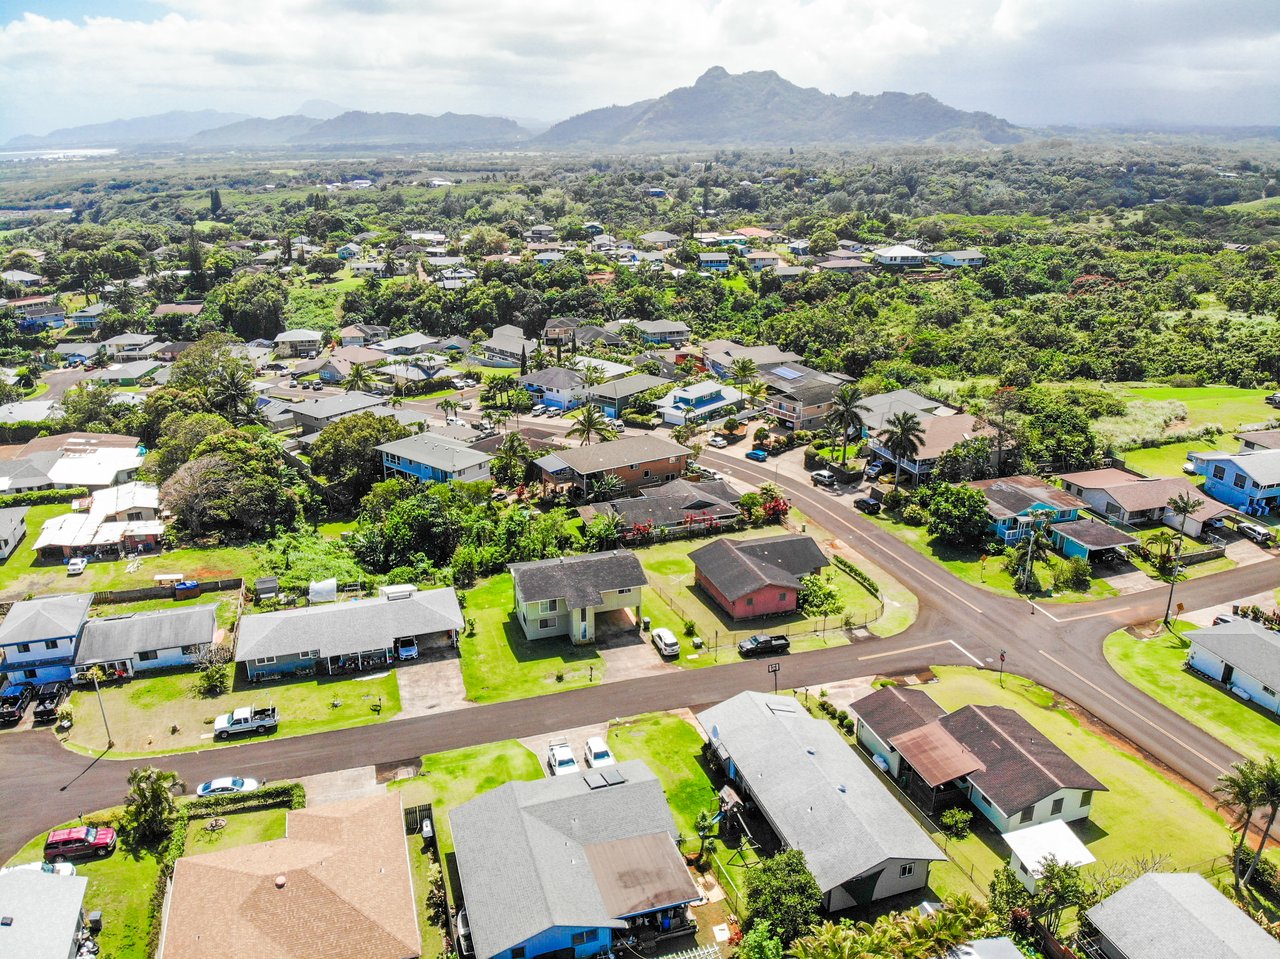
pixel 188 309
pixel 1099 479
pixel 892 711
pixel 935 754
pixel 638 873
pixel 346 891
pixel 79 442
pixel 1092 534
pixel 943 432
pixel 1137 493
pixel 1014 495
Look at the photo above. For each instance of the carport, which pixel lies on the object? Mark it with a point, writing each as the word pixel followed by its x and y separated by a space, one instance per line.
pixel 1089 538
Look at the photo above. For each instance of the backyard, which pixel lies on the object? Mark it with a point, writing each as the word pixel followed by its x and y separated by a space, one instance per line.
pixel 1155 666
pixel 1167 460
pixel 228 602
pixel 165 714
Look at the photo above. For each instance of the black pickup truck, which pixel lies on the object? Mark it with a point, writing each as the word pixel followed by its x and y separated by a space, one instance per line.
pixel 14 702
pixel 762 644
pixel 49 699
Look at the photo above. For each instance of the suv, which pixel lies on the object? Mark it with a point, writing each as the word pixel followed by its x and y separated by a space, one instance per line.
pixel 79 841
pixel 14 702
pixel 560 759
pixel 1259 534
pixel 762 643
pixel 665 642
pixel 823 478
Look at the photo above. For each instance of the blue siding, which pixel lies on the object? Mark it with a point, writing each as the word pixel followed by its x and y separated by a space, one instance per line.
pixel 283 666
pixel 561 937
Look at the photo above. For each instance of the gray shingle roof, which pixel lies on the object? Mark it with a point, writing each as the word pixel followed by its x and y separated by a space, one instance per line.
pixel 578 580
pixel 49 617
pixel 534 855
pixel 1249 647
pixel 441 452
pixel 670 503
pixel 739 567
pixel 121 637
pixel 45 911
pixel 628 386
pixel 330 407
pixel 345 628
pixel 553 378
pixel 816 792
pixel 1160 915
pixel 625 451
pixel 1014 495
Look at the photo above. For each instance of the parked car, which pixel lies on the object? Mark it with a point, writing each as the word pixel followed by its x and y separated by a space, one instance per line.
pixel 1273 400
pixel 873 469
pixel 823 478
pixel 761 644
pixel 406 648
pixel 14 702
pixel 464 933
pixel 79 842
pixel 560 758
pixel 49 698
pixel 598 753
pixel 867 505
pixel 76 566
pixel 665 642
pixel 246 719
pixel 540 409
pixel 1189 468
pixel 455 421
pixel 466 404
pixel 227 785
pixel 53 868
pixel 717 442
pixel 1259 534
pixel 317 386
pixel 760 456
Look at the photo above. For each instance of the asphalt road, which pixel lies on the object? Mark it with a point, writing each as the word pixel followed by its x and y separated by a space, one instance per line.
pixel 1057 645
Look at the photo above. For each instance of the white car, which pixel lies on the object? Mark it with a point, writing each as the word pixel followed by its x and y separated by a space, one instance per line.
pixel 54 868
pixel 665 642
pixel 1189 468
pixel 76 566
pixel 560 758
pixel 226 786
pixel 539 410
pixel 598 753
pixel 718 442
pixel 455 421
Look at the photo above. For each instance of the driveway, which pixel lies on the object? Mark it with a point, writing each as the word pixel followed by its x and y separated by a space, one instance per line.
pixel 60 381
pixel 577 737
pixel 431 684
pixel 626 653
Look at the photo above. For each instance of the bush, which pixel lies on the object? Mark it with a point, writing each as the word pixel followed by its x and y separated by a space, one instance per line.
pixel 690 627
pixel 955 822
pixel 1075 574
pixel 214 681
pixel 43 497
pixel 914 515
pixel 895 499
pixel 867 583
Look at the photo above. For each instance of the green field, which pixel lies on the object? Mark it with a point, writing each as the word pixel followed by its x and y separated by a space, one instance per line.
pixel 672 748
pixel 1225 406
pixel 1167 460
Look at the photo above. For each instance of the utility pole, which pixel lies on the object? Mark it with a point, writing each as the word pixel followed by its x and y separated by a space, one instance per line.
pixel 111 743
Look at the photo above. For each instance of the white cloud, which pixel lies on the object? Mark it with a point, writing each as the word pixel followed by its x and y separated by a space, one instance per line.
pixel 1026 59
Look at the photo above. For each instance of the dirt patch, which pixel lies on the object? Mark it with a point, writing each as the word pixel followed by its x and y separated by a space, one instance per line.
pixel 403 769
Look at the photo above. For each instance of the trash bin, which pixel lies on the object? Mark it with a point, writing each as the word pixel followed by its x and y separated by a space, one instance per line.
pixel 95 921
pixel 187 589
pixel 645 623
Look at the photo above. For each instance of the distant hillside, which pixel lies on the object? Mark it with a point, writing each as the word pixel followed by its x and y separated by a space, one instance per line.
pixel 161 128
pixel 449 129
pixel 255 132
pixel 761 108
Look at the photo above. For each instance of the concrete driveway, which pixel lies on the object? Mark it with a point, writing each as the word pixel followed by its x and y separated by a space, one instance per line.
pixel 431 684
pixel 577 737
pixel 626 653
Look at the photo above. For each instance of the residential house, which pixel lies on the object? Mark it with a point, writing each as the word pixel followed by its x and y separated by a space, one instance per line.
pixel 30 411
pixel 548 258
pixel 556 387
pixel 593 228
pixel 990 755
pixel 43 914
pixel 607 369
pixel 748 578
pixel 1133 500
pixel 89 318
pixel 178 309
pixel 39 316
pixel 719 355
pixel 898 255
pixel 136 642
pixel 66 461
pixel 940 433
pixel 954 258
pixel 120 519
pixel 38 637
pixel 433 458
pixel 331 639
pixel 507 347
pixel 362 334
pixel 760 233
pixel 298 343
pixel 697 402
pixel 411 374
pixel 1011 501
pixel 638 461
pixel 1166 914
pixel 21 278
pixel 1033 848
pixel 559 330
pixel 127 374
pixel 542 233
pixel 568 866
pixel 278 414
pixel 669 332
pixel 337 366
pixel 338 884
pixel 800 398
pixel 76 353
pixel 13 528
pixel 846 265
pixel 586 336
pixel 817 796
pixel 615 396
pixel 790 272
pixel 660 239
pixel 565 595
pixel 368 267
pixel 169 352
pixel 881 406
pixel 676 507
pixel 798 247
pixel 311 416
pixel 1250 481
pixel 1242 655
pixel 663 360
pixel 713 261
pixel 759 260
pixel 1259 440
pixel 349 251
pixel 126 342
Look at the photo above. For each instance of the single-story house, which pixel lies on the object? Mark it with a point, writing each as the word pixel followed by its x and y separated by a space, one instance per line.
pixel 434 458
pixel 676 506
pixel 563 596
pixel 13 527
pixel 21 278
pixel 1003 765
pixel 1011 501
pixel 1166 914
pixel 127 374
pixel 798 247
pixel 1249 482
pixel 817 796
pixel 697 402
pixel 337 366
pixel 844 264
pixel 660 239
pixel 38 637
pixel 638 461
pixel 61 461
pixel 898 255
pixel 954 258
pixel 756 577
pixel 136 642
pixel 1259 440
pixel 43 914
pixel 1088 537
pixel 169 352
pixel 555 386
pixel 1124 497
pixel 408 345
pixel 718 355
pixel 615 396
pixel 506 347
pixel 1242 655
pixel 565 866
pixel 337 885
pixel 1032 847
pixel 311 416
pixel 298 342
pixel 178 309
pixel 332 639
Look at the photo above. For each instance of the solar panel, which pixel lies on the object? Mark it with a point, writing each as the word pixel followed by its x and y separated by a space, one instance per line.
pixel 595 780
pixel 787 373
pixel 612 776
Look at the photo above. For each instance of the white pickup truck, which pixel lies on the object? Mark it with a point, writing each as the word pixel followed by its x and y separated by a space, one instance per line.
pixel 246 719
pixel 560 758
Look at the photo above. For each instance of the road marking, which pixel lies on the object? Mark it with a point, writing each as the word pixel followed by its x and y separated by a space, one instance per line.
pixel 967 653
pixel 909 649
pixel 1072 619
pixel 1156 726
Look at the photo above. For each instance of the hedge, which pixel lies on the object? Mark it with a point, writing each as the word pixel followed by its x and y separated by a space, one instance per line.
pixel 289 795
pixel 43 497
pixel 867 583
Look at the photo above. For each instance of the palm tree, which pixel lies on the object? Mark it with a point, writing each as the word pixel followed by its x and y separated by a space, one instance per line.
pixel 591 424
pixel 231 393
pixel 520 402
pixel 1240 792
pixel 1034 546
pixel 1269 793
pixel 743 369
pixel 511 458
pixel 449 405
pixel 1161 541
pixel 150 807
pixel 755 391
pixel 501 384
pixel 360 378
pixel 591 373
pixel 902 437
pixel 1182 506
pixel 495 418
pixel 608 486
pixel 846 416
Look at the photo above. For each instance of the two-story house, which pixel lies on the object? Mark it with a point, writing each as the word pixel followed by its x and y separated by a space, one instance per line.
pixel 1248 481
pixel 298 342
pixel 38 637
pixel 312 416
pixel 658 332
pixel 800 398
pixel 559 330
pixel 940 434
pixel 555 386
pixel 434 458
pixel 1011 501
pixel 615 396
pixel 638 461
pixel 507 347
pixel 564 596
pixel 411 344
pixel 714 261
pixel 699 401
pixel 363 334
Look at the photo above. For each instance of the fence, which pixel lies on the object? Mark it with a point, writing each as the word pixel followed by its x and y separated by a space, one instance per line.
pixel 732 894
pixel 163 592
pixel 414 817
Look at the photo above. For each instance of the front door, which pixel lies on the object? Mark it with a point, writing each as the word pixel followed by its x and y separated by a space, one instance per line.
pixel 1228 671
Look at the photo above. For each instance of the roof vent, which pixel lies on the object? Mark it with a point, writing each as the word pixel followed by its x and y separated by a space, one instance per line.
pixel 280 881
pixel 811 751
pixel 842 788
pixel 6 920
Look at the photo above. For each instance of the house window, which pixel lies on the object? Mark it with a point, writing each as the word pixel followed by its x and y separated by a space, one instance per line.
pixel 587 935
pixel 624 590
pixel 1027 814
pixel 1219 472
pixel 1112 509
pixel 190 650
pixel 264 661
pixel 24 647
pixel 782 597
pixel 647 474
pixel 147 655
pixel 309 654
pixel 546 623
pixel 906 870
pixel 548 605
pixel 1239 481
pixel 50 644
pixel 28 674
pixel 517 952
pixel 751 600
pixel 1086 797
pixel 1268 690
pixel 1057 807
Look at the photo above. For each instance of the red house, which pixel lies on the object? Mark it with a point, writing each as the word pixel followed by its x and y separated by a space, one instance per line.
pixel 756 577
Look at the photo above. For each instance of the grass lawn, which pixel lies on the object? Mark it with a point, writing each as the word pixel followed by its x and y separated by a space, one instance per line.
pixel 498 663
pixel 227 602
pixel 420 866
pixel 143 712
pixel 335 530
pixel 1155 667
pixel 672 748
pixel 1167 460
pixel 1227 406
pixel 1171 820
pixel 242 829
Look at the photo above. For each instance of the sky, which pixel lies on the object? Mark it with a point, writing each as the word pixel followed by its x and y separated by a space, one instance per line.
pixel 1033 62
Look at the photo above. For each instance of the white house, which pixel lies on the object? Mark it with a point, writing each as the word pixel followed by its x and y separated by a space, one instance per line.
pixel 137 642
pixel 1242 655
pixel 13 527
pixel 565 595
pixel 298 342
pixel 970 258
pixel 898 255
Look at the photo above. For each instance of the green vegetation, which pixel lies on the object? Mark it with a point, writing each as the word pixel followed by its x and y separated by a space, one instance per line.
pixel 672 748
pixel 1167 460
pixel 227 603
pixel 241 829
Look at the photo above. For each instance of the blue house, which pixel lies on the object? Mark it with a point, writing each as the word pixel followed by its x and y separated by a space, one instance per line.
pixel 38 638
pixel 1248 481
pixel 88 318
pixel 590 857
pixel 700 401
pixel 1012 501
pixel 433 459
pixel 656 191
pixel 713 261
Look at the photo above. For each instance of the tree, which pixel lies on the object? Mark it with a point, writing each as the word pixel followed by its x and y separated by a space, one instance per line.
pixel 817 597
pixel 1268 781
pixel 177 439
pixel 591 373
pixel 742 369
pixel 955 822
pixel 591 424
pixel 1182 506
pixel 359 379
pixel 958 514
pixel 149 808
pixel 845 418
pixel 511 459
pixel 782 892
pixel 449 406
pixel 965 462
pixel 1240 792
pixel 346 453
pixel 204 363
pixel 215 203
pixel 822 241
pixel 232 394
pixel 1033 547
pixel 754 391
pixel 604 531
pixel 326 266
pixel 902 437
pixel 704 826
pixel 760 943
pixel 608 486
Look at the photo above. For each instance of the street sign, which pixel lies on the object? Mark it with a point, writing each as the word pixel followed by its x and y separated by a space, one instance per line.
pixel 775 667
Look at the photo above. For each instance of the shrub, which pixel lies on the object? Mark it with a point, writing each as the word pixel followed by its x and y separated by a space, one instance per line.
pixel 914 515
pixel 1074 574
pixel 214 681
pixel 895 499
pixel 955 822
pixel 690 627
pixel 867 583
pixel 43 497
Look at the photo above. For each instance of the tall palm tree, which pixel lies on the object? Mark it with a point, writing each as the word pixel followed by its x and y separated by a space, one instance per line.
pixel 1240 793
pixel 231 393
pixel 902 437
pixel 1269 793
pixel 742 369
pixel 1034 546
pixel 360 378
pixel 591 424
pixel 511 458
pixel 501 384
pixel 846 416
pixel 519 402
pixel 591 373
pixel 1182 506
pixel 449 405
pixel 755 391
